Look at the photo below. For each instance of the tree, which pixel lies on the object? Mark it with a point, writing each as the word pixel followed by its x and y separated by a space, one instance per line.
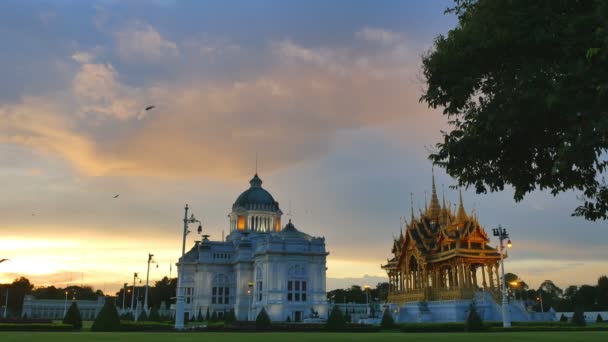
pixel 336 321
pixel 563 318
pixel 473 321
pixel 387 320
pixel 199 317
pixel 207 316
pixel 525 93
pixel 288 319
pixel 213 317
pixel 599 319
pixel 143 316
pixel 578 318
pixel 18 289
pixel 107 319
pixel 73 316
pixel 230 317
pixel 262 322
pixel 154 315
pixel 550 294
pixel 602 292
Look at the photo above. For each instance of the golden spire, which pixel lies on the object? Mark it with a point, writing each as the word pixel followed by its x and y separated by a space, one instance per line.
pixel 434 209
pixel 461 216
pixel 412 207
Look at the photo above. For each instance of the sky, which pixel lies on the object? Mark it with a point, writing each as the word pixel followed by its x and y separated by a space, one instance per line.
pixel 325 93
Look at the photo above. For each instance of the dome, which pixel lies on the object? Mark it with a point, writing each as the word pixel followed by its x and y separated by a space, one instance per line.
pixel 256 197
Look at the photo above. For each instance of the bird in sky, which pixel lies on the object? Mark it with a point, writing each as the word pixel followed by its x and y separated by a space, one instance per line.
pixel 3 260
pixel 149 107
pixel 116 196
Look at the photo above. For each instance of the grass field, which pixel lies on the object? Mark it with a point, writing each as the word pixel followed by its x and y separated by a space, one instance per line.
pixel 297 337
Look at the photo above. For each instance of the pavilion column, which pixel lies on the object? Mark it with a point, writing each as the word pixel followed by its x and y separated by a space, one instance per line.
pixel 490 275
pixel 452 276
pixel 483 276
pixel 498 280
pixel 474 275
pixel 461 282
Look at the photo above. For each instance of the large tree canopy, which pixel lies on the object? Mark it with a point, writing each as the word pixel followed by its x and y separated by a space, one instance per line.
pixel 525 87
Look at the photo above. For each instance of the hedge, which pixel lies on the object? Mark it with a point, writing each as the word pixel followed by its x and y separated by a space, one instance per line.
pixel 145 326
pixel 35 327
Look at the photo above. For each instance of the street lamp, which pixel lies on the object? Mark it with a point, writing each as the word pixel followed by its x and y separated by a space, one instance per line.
pixel 6 303
pixel 540 299
pixel 65 304
pixel 133 293
pixel 502 235
pixel 366 287
pixel 124 295
pixel 179 303
pixel 147 278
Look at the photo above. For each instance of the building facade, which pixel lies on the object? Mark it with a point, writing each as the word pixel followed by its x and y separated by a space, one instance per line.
pixel 261 264
pixel 57 308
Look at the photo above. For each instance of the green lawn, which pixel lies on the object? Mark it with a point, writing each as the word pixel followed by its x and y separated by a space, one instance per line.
pixel 314 337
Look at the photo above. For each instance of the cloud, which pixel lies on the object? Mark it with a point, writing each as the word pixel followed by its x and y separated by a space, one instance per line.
pixel 141 42
pixel 376 35
pixel 289 112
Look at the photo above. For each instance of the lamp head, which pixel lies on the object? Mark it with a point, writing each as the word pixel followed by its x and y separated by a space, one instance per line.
pixel 509 244
pixel 200 228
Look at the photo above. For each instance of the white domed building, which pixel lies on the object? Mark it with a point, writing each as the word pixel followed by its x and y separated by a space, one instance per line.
pixel 259 265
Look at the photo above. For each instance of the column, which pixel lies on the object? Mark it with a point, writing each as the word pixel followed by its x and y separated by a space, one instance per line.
pixel 498 280
pixel 474 275
pixel 483 276
pixel 490 276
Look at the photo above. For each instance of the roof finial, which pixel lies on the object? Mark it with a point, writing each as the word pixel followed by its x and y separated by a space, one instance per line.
pixel 461 216
pixel 412 205
pixel 434 209
pixel 256 162
pixel 426 208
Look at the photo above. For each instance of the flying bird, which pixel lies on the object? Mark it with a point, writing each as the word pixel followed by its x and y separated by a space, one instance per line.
pixel 3 260
pixel 149 107
pixel 116 196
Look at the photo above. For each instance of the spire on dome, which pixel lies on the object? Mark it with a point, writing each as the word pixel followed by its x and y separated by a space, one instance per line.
pixel 461 216
pixel 255 182
pixel 412 207
pixel 434 208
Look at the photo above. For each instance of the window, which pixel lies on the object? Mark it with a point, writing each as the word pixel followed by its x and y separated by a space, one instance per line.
pixel 220 295
pixel 189 292
pixel 296 291
pixel 241 222
pixel 259 290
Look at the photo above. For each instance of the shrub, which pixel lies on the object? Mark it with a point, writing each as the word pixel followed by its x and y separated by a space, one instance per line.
pixel 473 321
pixel 207 316
pixel 73 316
pixel 563 318
pixel 387 320
pixel 107 319
pixel 262 322
pixel 143 316
pixel 230 317
pixel 35 327
pixel 154 316
pixel 336 321
pixel 578 318
pixel 213 317
pixel 599 319
pixel 288 320
pixel 199 317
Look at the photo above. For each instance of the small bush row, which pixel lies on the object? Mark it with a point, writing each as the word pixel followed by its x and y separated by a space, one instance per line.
pixel 35 327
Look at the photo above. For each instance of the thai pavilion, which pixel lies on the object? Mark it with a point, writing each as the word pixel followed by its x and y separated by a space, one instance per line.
pixel 441 263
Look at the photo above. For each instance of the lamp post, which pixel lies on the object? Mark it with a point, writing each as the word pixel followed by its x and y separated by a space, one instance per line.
pixel 65 304
pixel 366 287
pixel 133 293
pixel 6 303
pixel 502 235
pixel 540 299
pixel 147 279
pixel 179 303
pixel 124 295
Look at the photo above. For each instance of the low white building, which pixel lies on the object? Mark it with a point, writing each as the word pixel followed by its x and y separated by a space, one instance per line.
pixel 56 308
pixel 260 265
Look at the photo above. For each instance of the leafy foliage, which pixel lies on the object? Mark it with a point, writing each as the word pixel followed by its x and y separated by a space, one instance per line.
pixel 143 316
pixel 262 322
pixel 578 318
pixel 107 319
pixel 563 318
pixel 473 321
pixel 523 87
pixel 72 316
pixel 336 321
pixel 230 317
pixel 154 315
pixel 387 320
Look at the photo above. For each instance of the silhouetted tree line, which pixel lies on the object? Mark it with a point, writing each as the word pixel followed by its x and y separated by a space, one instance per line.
pixel 162 290
pixel 357 294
